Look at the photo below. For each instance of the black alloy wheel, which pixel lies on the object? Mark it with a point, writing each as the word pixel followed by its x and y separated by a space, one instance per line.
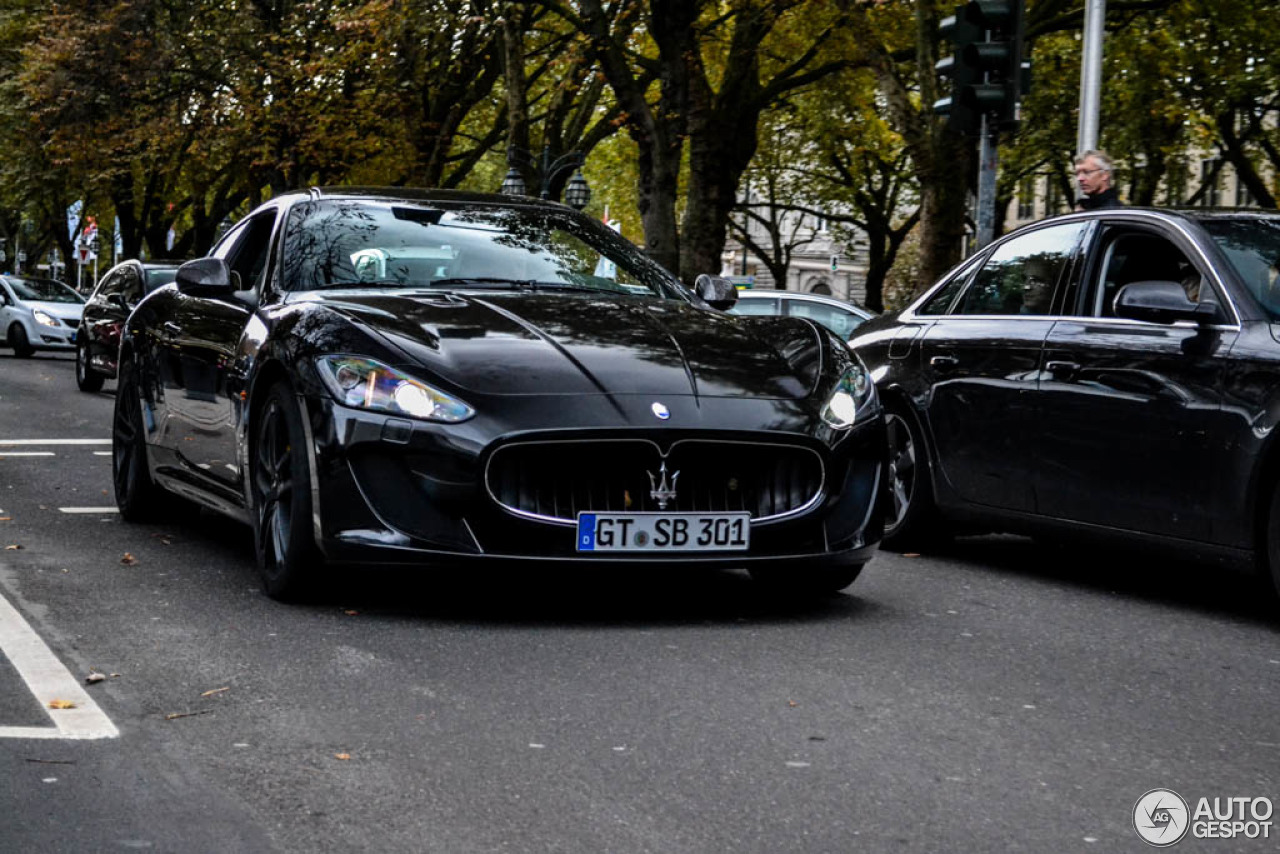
pixel 87 379
pixel 280 480
pixel 911 519
pixel 137 495
pixel 19 342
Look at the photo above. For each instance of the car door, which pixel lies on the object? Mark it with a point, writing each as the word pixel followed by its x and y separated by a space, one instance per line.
pixel 1132 428
pixel 206 335
pixel 980 363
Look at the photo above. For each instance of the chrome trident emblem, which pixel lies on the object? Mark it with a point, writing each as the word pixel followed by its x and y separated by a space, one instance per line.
pixel 661 492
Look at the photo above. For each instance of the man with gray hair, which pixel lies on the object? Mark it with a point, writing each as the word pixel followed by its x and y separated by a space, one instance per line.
pixel 1093 174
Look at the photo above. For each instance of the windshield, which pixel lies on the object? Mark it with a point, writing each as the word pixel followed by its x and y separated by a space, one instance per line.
pixel 379 244
pixel 1252 246
pixel 159 277
pixel 43 290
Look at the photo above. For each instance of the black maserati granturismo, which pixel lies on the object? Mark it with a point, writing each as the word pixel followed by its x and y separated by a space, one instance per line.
pixel 390 377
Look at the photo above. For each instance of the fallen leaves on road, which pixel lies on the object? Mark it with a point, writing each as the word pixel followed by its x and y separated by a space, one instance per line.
pixel 215 691
pixel 95 676
pixel 352 613
pixel 12 548
pixel 128 559
pixel 912 554
pixel 792 703
pixel 343 756
pixel 6 518
pixel 166 539
pixel 61 704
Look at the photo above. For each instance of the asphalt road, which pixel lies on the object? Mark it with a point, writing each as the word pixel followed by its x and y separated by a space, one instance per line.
pixel 997 696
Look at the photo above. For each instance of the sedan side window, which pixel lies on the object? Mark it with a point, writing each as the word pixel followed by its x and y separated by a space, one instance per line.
pixel 1142 256
pixel 246 250
pixel 131 286
pixel 755 306
pixel 111 284
pixel 1022 274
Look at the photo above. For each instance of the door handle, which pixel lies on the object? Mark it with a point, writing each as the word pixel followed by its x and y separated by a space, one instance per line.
pixel 1062 370
pixel 172 328
pixel 943 363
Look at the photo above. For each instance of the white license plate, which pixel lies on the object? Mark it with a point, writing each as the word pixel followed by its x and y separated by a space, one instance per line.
pixel 664 532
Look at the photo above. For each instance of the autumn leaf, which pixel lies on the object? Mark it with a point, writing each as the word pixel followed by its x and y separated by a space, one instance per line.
pixel 215 691
pixel 13 547
pixel 61 704
pixel 128 559
pixel 94 677
pixel 343 756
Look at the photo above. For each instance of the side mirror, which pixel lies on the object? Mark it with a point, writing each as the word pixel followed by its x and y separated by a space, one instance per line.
pixel 118 300
pixel 716 291
pixel 1161 302
pixel 207 277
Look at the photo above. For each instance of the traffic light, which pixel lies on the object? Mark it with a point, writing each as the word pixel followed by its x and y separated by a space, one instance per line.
pixel 986 69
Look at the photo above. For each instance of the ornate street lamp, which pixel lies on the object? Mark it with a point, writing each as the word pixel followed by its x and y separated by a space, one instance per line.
pixel 547 170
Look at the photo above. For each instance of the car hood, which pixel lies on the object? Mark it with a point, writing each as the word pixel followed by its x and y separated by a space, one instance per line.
pixel 60 310
pixel 538 343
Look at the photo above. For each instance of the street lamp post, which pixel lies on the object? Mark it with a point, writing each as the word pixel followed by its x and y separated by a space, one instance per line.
pixel 576 193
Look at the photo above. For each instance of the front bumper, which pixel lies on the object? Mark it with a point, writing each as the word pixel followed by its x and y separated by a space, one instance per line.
pixel 392 491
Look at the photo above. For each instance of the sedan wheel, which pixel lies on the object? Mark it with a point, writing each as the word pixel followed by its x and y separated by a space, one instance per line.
pixel 911 518
pixel 137 495
pixel 19 342
pixel 281 484
pixel 87 379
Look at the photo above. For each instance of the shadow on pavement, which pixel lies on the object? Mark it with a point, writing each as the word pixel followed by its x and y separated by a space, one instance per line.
pixel 1141 575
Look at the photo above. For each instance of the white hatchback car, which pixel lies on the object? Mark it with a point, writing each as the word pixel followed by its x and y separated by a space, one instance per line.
pixel 837 315
pixel 38 314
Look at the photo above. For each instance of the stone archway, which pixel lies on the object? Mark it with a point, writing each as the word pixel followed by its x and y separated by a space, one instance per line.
pixel 818 285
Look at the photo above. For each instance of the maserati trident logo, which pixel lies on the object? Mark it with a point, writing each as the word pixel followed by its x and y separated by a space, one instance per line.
pixel 660 411
pixel 661 492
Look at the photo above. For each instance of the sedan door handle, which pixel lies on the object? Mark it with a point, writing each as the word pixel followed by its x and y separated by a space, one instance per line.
pixel 943 362
pixel 1062 370
pixel 172 328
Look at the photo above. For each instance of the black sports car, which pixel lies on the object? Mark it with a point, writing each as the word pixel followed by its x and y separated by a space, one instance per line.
pixel 1113 374
pixel 98 338
pixel 401 377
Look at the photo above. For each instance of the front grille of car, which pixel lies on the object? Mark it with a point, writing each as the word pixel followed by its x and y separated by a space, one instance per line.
pixel 555 480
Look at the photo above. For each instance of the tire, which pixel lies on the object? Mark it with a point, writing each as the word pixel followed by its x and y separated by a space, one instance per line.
pixel 280 482
pixel 19 341
pixel 137 495
pixel 1269 569
pixel 87 379
pixel 807 583
pixel 912 517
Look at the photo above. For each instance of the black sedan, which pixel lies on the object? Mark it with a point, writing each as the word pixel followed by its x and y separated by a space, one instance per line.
pixel 1114 373
pixel 400 377
pixel 98 338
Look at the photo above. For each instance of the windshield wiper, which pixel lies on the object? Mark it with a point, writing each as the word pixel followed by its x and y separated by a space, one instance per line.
pixel 367 283
pixel 524 284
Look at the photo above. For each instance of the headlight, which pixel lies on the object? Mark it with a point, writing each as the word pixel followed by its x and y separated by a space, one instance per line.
pixel 851 395
pixel 44 319
pixel 367 384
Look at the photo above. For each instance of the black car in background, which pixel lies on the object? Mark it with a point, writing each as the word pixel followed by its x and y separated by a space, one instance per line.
pixel 1115 372
pixel 400 377
pixel 98 338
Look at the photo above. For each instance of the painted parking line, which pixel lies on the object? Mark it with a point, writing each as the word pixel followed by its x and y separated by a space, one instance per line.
pixel 27 454
pixel 13 443
pixel 89 509
pixel 48 680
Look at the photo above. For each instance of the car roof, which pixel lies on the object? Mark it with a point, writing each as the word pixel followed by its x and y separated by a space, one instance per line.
pixel 769 294
pixel 416 194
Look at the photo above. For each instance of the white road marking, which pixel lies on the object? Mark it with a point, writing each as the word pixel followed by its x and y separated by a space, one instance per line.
pixel 48 680
pixel 12 443
pixel 89 509
pixel 27 454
